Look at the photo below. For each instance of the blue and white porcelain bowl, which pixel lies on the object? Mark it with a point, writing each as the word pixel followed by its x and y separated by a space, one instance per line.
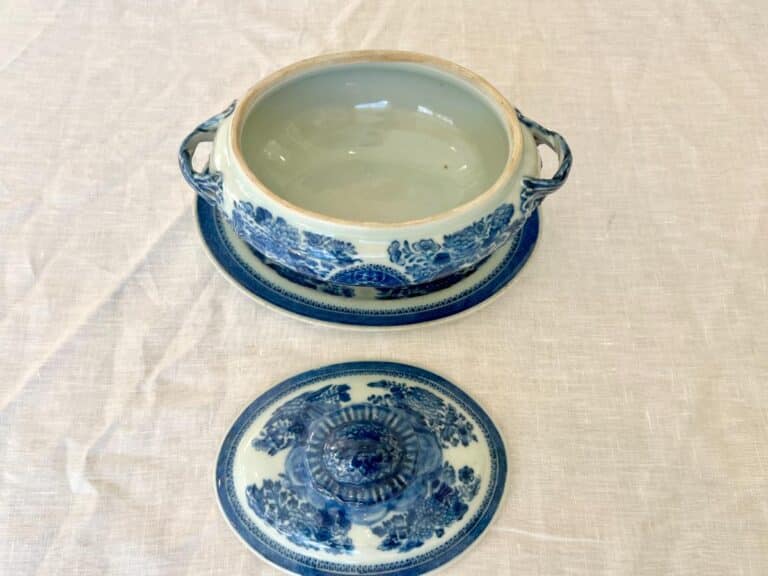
pixel 375 168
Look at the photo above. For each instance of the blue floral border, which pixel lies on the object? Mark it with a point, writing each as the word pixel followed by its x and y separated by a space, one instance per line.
pixel 212 229
pixel 307 565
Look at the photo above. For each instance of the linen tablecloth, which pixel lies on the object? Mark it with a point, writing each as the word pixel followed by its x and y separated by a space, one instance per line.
pixel 627 365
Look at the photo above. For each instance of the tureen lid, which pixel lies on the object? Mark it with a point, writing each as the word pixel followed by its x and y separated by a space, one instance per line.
pixel 361 468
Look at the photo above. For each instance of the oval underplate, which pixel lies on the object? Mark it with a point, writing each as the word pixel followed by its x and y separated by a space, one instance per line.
pixel 245 269
pixel 361 468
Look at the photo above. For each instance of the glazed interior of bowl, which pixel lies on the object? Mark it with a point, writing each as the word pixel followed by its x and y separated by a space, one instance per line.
pixel 381 142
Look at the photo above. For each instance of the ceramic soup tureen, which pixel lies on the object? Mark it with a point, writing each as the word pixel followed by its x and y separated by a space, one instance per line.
pixel 387 170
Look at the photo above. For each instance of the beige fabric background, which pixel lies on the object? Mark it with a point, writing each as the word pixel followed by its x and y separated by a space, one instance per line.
pixel 627 366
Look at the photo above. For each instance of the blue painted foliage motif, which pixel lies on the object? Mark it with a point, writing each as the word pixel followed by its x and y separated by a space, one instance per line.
pixel 317 528
pixel 427 259
pixel 304 252
pixel 446 423
pixel 377 463
pixel 288 424
pixel 445 503
pixel 330 265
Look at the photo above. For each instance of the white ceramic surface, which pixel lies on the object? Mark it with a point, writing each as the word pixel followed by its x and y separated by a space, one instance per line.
pixel 374 141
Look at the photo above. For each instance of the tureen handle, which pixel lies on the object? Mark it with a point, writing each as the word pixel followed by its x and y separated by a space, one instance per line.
pixel 536 189
pixel 208 184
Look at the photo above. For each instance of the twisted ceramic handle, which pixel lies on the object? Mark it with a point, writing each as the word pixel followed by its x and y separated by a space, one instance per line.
pixel 206 183
pixel 536 189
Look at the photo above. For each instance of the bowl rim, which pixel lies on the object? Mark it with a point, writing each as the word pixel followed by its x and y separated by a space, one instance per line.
pixel 495 100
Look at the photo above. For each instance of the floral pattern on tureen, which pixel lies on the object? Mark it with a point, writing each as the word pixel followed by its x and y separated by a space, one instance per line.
pixel 378 464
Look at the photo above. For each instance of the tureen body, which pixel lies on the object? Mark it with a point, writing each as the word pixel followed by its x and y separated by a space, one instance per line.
pixel 384 170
